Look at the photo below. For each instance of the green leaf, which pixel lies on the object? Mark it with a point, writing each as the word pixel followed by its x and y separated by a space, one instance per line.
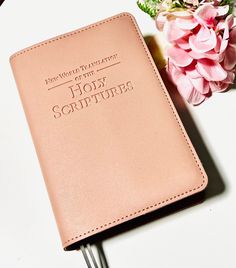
pixel 149 7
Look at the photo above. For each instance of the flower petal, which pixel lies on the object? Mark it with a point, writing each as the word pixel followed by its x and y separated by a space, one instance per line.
pixel 203 41
pixel 220 25
pixel 232 36
pixel 224 44
pixel 196 97
pixel 229 21
pixel 200 84
pixel 214 86
pixel 161 20
pixel 174 72
pixel 206 14
pixel 183 43
pixel 203 34
pixel 186 24
pixel 218 86
pixel 208 55
pixel 211 70
pixel 222 10
pixel 226 35
pixel 179 56
pixel 182 14
pixel 187 91
pixel 192 72
pixel 172 32
pixel 225 38
pixel 218 43
pixel 184 86
pixel 230 78
pixel 230 57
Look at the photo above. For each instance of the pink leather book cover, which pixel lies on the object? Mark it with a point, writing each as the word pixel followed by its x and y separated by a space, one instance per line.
pixel 109 141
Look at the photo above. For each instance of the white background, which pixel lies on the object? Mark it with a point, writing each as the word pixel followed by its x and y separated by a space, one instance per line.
pixel 199 236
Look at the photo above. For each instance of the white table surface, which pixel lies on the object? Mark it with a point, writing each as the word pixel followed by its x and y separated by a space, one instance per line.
pixel 198 236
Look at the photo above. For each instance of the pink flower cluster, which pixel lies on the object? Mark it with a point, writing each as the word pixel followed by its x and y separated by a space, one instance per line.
pixel 202 57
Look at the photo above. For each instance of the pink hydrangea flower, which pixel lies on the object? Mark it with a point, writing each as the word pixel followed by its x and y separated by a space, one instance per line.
pixel 202 55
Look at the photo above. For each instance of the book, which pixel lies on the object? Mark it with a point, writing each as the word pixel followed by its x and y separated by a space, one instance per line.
pixel 110 143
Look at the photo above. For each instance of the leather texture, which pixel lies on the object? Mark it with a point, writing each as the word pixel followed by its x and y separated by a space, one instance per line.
pixel 109 141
